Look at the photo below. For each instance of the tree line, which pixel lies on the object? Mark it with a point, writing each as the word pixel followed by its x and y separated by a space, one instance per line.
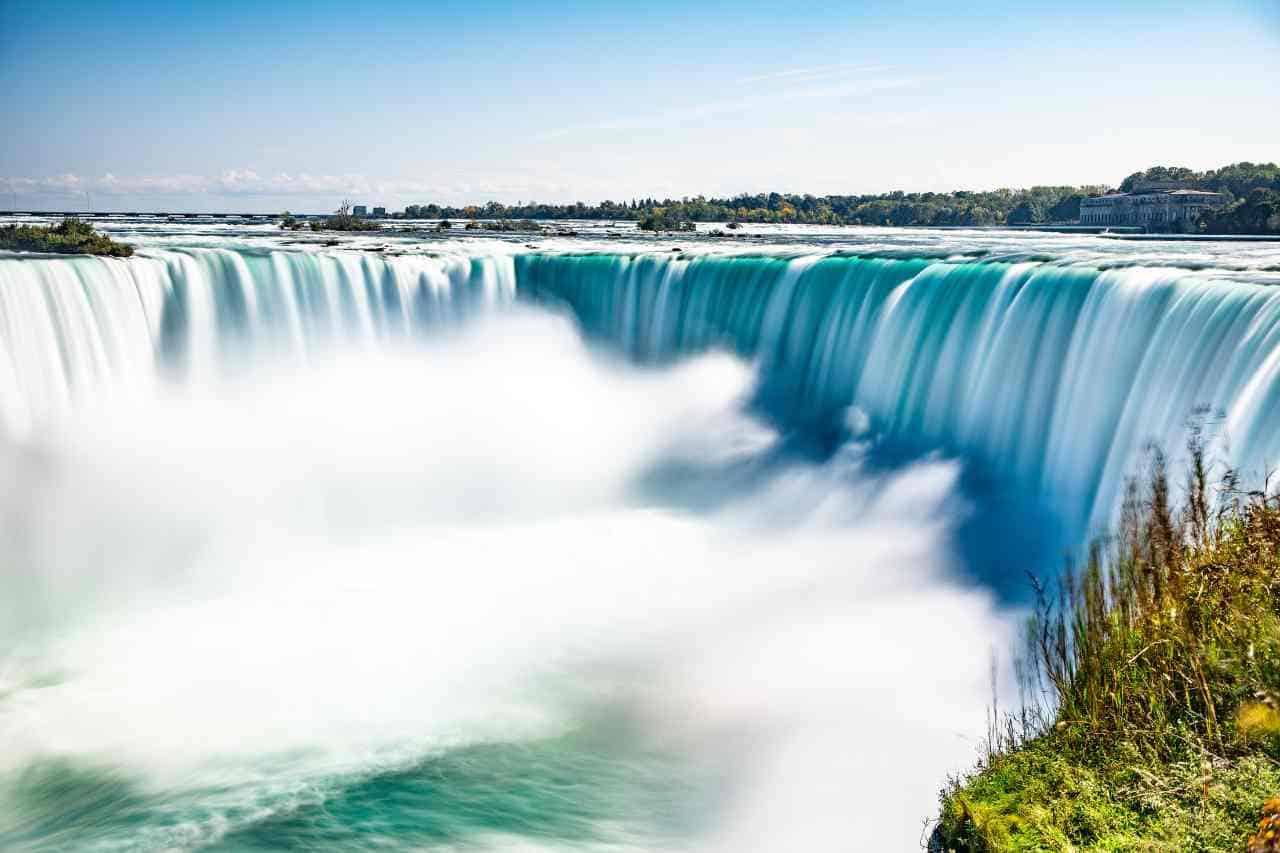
pixel 1254 190
pixel 1028 206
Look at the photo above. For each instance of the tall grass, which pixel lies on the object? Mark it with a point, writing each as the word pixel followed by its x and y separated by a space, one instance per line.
pixel 1160 652
pixel 1174 624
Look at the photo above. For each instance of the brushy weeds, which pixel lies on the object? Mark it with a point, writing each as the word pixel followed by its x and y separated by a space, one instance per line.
pixel 1267 838
pixel 1151 681
pixel 71 237
pixel 343 220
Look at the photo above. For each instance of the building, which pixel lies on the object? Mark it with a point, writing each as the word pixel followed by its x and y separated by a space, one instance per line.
pixel 1153 205
pixel 379 213
pixel 359 210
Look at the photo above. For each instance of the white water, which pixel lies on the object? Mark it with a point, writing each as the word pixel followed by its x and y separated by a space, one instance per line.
pixel 77 328
pixel 1054 375
pixel 455 553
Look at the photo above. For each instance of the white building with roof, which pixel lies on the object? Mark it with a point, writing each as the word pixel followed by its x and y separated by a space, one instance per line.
pixel 1154 205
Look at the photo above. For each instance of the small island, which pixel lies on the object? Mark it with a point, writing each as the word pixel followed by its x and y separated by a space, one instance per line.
pixel 505 226
pixel 342 220
pixel 71 237
pixel 666 219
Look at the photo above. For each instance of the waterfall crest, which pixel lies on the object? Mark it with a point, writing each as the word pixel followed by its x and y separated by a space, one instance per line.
pixel 83 326
pixel 1053 374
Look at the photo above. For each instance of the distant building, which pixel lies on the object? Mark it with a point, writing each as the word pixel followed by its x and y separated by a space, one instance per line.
pixel 359 210
pixel 1154 205
pixel 379 213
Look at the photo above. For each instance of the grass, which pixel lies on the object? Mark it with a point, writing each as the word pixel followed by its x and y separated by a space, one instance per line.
pixel 1151 686
pixel 1044 797
pixel 71 237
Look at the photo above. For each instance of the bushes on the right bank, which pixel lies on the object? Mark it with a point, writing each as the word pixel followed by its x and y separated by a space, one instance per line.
pixel 1151 680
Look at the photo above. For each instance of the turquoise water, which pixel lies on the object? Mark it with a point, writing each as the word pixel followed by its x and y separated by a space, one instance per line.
pixel 482 545
pixel 565 790
pixel 1053 375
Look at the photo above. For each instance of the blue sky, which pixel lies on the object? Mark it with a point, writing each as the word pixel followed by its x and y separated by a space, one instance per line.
pixel 263 106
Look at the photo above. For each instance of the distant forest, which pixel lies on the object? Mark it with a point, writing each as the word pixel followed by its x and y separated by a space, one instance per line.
pixel 1254 188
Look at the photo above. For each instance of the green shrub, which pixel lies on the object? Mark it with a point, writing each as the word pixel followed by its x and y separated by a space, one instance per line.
pixel 1150 679
pixel 666 219
pixel 524 226
pixel 71 237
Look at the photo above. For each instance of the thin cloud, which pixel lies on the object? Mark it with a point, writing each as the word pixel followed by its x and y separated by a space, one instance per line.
pixel 247 183
pixel 815 71
pixel 232 182
pixel 845 89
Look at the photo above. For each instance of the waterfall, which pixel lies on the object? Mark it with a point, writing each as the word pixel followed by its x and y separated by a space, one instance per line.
pixel 78 327
pixel 428 596
pixel 1054 375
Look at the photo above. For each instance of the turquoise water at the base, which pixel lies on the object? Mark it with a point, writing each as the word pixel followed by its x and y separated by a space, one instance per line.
pixel 303 544
pixel 587 789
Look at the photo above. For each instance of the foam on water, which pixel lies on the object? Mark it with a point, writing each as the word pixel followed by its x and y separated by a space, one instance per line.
pixel 1051 374
pixel 451 575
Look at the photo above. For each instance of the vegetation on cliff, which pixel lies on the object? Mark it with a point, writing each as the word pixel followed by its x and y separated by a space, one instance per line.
pixel 71 237
pixel 1151 678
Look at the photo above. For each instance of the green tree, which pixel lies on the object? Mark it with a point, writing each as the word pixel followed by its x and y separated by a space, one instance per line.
pixel 1027 212
pixel 1257 213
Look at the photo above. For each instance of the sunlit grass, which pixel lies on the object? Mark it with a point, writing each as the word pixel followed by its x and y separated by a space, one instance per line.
pixel 1150 677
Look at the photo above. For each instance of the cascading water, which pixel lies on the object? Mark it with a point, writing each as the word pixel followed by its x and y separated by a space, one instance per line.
pixel 92 326
pixel 1053 375
pixel 294 558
